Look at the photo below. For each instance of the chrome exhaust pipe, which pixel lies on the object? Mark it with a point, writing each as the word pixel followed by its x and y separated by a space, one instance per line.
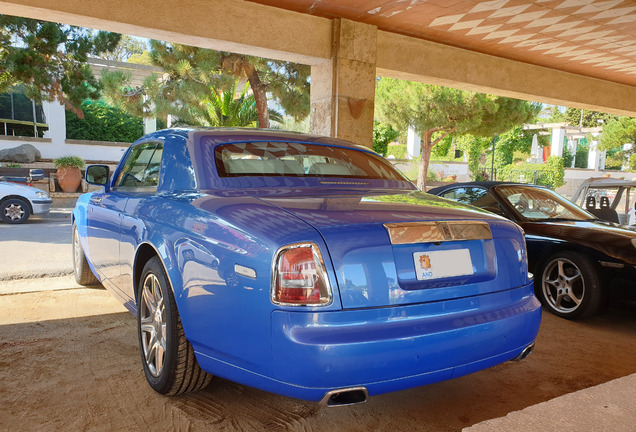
pixel 525 353
pixel 346 396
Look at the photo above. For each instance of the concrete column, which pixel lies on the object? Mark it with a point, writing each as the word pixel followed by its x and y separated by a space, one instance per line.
pixel 150 123
pixel 594 157
pixel 55 115
pixel 343 88
pixel 627 148
pixel 413 144
pixel 536 155
pixel 601 160
pixel 556 145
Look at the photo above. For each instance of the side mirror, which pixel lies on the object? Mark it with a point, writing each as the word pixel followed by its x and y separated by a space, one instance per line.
pixel 36 174
pixel 97 175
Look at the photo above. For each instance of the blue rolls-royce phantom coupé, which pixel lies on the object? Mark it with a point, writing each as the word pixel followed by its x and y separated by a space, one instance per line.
pixel 301 265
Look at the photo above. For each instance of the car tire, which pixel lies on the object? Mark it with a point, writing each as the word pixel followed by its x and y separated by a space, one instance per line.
pixel 82 271
pixel 168 358
pixel 14 211
pixel 569 285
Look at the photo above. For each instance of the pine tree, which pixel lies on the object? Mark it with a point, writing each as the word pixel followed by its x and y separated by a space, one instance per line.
pixel 435 112
pixel 49 60
pixel 193 74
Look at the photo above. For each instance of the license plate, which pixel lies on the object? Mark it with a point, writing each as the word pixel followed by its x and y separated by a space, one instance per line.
pixel 442 264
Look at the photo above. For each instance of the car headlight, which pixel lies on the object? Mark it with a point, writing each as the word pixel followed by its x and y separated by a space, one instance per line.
pixel 42 194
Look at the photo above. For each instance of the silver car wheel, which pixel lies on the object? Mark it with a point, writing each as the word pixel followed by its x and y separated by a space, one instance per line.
pixel 14 212
pixel 563 285
pixel 153 324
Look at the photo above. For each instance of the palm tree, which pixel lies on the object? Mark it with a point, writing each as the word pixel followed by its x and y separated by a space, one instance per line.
pixel 225 109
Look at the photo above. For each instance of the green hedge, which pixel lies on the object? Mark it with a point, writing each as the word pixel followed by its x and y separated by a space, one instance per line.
pixel 382 136
pixel 549 174
pixel 398 151
pixel 103 122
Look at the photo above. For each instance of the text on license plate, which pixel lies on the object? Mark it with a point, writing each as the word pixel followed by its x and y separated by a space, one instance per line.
pixel 442 264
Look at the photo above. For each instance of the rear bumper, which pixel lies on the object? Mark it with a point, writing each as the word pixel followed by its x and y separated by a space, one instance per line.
pixel 389 349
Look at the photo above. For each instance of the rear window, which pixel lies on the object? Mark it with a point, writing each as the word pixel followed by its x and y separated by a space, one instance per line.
pixel 300 160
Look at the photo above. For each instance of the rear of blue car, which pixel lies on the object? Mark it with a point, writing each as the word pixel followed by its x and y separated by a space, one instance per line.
pixel 309 267
pixel 407 302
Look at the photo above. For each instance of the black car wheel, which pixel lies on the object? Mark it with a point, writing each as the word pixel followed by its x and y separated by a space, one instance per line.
pixel 14 211
pixel 569 285
pixel 83 273
pixel 168 358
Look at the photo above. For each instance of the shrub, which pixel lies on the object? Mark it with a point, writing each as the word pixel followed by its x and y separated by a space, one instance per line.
pixel 549 174
pixel 382 136
pixel 398 151
pixel 103 122
pixel 69 162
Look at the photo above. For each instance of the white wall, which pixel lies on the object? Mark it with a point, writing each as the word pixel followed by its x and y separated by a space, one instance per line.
pixel 556 144
pixel 413 144
pixel 90 151
pixel 55 145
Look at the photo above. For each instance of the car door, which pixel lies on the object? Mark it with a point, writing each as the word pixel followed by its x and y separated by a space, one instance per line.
pixel 106 211
pixel 140 207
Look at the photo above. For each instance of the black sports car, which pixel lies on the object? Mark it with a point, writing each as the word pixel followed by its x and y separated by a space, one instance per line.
pixel 574 256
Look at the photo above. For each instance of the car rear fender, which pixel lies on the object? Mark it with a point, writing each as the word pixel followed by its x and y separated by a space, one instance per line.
pixel 540 248
pixel 147 250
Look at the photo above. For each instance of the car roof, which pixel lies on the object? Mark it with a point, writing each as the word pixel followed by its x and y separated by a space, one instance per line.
pixel 253 134
pixel 603 182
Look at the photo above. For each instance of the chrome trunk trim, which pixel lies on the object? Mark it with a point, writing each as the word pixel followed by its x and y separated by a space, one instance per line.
pixel 437 231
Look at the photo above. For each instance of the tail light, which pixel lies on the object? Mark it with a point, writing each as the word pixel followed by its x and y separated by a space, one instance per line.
pixel 300 278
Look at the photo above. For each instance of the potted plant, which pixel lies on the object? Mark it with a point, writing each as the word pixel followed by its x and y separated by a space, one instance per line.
pixel 69 175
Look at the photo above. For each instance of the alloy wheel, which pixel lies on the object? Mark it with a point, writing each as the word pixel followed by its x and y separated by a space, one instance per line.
pixel 14 212
pixel 153 324
pixel 563 285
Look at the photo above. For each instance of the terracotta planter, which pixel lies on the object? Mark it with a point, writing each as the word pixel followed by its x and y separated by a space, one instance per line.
pixel 69 178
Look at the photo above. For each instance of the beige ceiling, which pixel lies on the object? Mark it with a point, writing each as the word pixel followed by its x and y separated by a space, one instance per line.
pixel 577 53
pixel 595 38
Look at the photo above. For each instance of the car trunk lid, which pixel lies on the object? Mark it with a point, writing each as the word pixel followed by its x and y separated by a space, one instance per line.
pixel 412 248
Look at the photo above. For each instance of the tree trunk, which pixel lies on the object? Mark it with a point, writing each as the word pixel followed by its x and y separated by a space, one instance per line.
pixel 427 145
pixel 424 160
pixel 260 96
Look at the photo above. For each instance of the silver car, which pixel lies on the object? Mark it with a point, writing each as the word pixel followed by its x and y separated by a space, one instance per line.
pixel 18 202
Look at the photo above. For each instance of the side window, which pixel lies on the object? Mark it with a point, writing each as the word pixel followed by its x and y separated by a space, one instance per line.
pixel 462 194
pixel 483 199
pixel 142 166
pixel 476 196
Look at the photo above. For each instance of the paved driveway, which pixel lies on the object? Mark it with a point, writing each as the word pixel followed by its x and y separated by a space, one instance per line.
pixel 40 247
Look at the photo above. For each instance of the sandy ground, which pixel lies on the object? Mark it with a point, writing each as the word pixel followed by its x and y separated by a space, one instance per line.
pixel 69 361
